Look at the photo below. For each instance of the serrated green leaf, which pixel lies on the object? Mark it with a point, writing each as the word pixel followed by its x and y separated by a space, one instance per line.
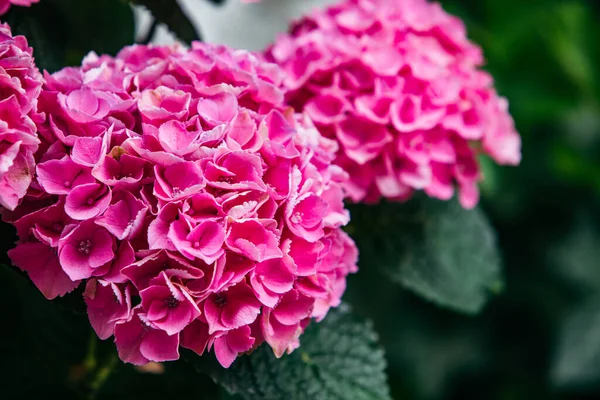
pixel 577 355
pixel 170 13
pixel 338 358
pixel 437 249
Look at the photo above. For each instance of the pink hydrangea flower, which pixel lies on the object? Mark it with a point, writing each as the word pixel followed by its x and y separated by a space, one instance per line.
pixel 20 86
pixel 197 208
pixel 5 4
pixel 398 85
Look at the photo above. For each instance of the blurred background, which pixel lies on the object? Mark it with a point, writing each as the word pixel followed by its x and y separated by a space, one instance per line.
pixel 540 338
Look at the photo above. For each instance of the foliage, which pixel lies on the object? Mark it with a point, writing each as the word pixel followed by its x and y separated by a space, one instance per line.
pixel 338 359
pixel 442 252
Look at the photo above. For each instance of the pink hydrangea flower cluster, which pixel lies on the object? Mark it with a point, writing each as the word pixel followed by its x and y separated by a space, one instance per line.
pixel 197 210
pixel 5 4
pixel 20 86
pixel 397 84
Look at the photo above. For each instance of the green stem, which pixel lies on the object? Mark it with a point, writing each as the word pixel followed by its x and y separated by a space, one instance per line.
pixel 96 374
pixel 102 375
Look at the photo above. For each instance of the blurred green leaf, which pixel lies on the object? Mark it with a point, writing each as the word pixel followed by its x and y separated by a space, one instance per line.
pixel 339 358
pixel 577 355
pixel 566 40
pixel 44 28
pixel 437 249
pixel 102 26
pixel 575 256
pixel 170 13
pixel 62 32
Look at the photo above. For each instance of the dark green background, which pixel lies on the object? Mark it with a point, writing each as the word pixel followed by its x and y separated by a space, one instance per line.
pixel 538 339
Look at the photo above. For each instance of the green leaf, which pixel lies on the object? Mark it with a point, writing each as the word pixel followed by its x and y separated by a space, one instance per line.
pixel 44 28
pixel 170 13
pixel 577 356
pixel 338 358
pixel 62 32
pixel 437 249
pixel 574 257
pixel 102 26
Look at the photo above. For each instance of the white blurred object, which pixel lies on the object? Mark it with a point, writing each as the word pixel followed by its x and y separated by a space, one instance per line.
pixel 248 26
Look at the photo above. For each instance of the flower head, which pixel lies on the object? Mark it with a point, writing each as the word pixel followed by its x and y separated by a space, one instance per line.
pixel 397 84
pixel 197 209
pixel 20 86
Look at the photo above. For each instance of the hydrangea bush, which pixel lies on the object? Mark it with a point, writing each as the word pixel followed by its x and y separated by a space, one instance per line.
pixel 176 182
pixel 398 85
pixel 197 204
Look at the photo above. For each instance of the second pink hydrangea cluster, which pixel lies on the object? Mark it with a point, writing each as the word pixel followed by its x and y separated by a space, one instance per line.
pixel 397 84
pixel 6 4
pixel 196 209
pixel 20 86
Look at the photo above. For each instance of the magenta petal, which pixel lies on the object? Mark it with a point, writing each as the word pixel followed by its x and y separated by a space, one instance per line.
pixel 264 295
pixel 175 138
pixel 124 219
pixel 84 249
pixel 212 313
pixel 42 265
pixel 293 308
pixel 305 255
pixel 88 151
pixel 84 105
pixel 128 338
pixel 225 355
pixel 87 201
pixel 167 306
pixel 277 335
pixel 468 195
pixel 102 250
pixel 251 239
pixel 195 337
pixel 230 344
pixel 178 181
pixel 163 103
pixel 16 181
pixel 362 139
pixel 243 131
pixel 219 109
pixel 125 256
pixel 157 346
pixel 207 238
pixel 107 304
pixel 242 307
pixel 326 108
pixel 60 176
pixel 306 218
pixel 231 309
pixel 159 228
pixel 276 275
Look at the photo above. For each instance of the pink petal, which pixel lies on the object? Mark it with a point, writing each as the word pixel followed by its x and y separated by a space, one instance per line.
pixel 42 265
pixel 87 201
